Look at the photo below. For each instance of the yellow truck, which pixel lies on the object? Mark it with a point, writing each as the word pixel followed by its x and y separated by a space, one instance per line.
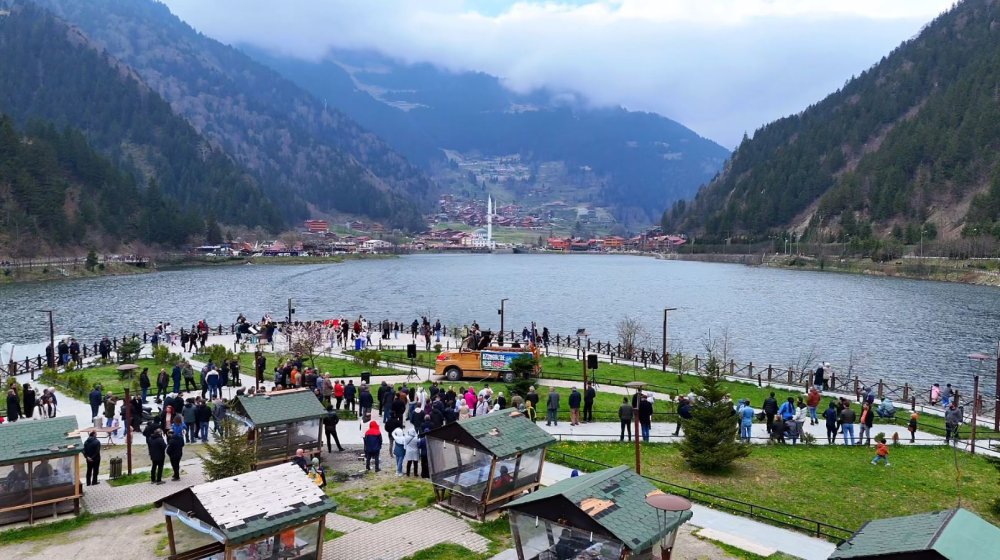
pixel 488 363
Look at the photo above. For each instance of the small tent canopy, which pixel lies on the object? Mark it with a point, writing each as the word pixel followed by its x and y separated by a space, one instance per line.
pixel 273 509
pixel 281 422
pixel 479 463
pixel 39 468
pixel 604 513
pixel 951 534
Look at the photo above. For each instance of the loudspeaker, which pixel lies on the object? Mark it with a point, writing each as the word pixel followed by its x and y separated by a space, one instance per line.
pixel 591 361
pixel 411 351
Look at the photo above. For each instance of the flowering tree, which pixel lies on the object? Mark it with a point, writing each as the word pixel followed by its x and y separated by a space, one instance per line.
pixel 306 340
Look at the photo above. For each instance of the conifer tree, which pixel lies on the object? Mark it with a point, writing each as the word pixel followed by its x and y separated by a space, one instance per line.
pixel 230 455
pixel 710 436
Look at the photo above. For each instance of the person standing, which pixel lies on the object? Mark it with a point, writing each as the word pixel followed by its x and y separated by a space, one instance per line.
pixel 588 403
pixel 157 455
pixel 96 398
pixel 202 415
pixel 812 401
pixel 350 392
pixel 574 407
pixel 411 450
pixel 847 418
pixel 819 380
pixel 770 409
pixel 330 422
pixel 625 417
pixel 144 383
pixel 552 408
pixel 175 450
pixel 912 426
pixel 175 374
pixel 28 396
pixel 645 417
pixel 92 453
pixel 338 392
pixel 746 421
pixel 373 445
pixel 190 420
pixel 683 414
pixel 162 381
pixel 831 417
pixel 867 421
pixel 952 420
pixel 799 420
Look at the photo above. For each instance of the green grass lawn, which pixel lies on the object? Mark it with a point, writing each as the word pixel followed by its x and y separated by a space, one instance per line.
pixel 330 534
pixel 833 484
pixel 337 367
pixel 80 382
pixel 383 498
pixel 446 551
pixel 136 478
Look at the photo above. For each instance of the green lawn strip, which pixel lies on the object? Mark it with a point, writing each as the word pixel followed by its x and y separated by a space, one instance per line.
pixel 136 478
pixel 832 484
pixel 80 382
pixel 497 531
pixel 383 500
pixel 446 551
pixel 338 368
pixel 740 554
pixel 55 528
pixel 330 534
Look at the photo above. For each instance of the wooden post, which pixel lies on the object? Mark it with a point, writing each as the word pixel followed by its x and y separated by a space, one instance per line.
pixel 880 388
pixel 750 370
pixel 770 373
pixel 732 367
pixel 790 373
pixel 128 431
pixel 696 364
pixel 170 536
pixel 906 391
pixel 833 381
pixel 584 360
pixel 975 410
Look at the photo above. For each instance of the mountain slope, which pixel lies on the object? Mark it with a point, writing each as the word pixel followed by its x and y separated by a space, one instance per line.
pixel 642 161
pixel 316 157
pixel 54 73
pixel 912 140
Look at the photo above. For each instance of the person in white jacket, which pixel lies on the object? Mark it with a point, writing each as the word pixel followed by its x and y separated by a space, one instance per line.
pixel 412 456
pixel 399 448
pixel 800 420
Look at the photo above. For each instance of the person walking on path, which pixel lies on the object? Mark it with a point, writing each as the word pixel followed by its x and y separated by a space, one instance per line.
pixel 625 417
pixel 373 445
pixel 92 453
pixel 157 455
pixel 847 418
pixel 574 407
pixel 770 409
pixel 831 417
pixel 330 422
pixel 552 408
pixel 588 403
pixel 645 417
pixel 683 414
pixel 952 420
pixel 175 450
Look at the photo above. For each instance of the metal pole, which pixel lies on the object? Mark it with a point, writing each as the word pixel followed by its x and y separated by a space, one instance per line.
pixel 996 396
pixel 638 451
pixel 665 311
pixel 128 429
pixel 502 314
pixel 975 409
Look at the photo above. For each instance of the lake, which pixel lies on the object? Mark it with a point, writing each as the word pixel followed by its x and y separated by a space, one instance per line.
pixel 903 330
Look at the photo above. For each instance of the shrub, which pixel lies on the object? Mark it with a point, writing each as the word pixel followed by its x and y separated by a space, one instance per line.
pixel 128 351
pixel 218 353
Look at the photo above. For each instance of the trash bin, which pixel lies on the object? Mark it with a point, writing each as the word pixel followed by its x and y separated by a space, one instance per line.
pixel 366 377
pixel 116 468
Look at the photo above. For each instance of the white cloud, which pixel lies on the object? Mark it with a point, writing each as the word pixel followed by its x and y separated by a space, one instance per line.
pixel 721 67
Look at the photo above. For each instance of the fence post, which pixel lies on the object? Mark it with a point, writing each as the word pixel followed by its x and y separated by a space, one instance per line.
pixel 759 384
pixel 913 403
pixel 770 373
pixel 833 380
pixel 144 337
pixel 906 391
pixel 750 370
pixel 666 361
pixel 790 374
pixel 880 386
pixel 588 345
pixel 732 367
pixel 696 364
pixel 857 388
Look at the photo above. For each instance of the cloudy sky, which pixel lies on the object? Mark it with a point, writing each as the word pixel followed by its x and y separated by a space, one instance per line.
pixel 721 67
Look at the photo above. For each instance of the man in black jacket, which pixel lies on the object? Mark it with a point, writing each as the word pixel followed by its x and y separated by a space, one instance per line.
pixel 92 453
pixel 645 416
pixel 770 409
pixel 350 392
pixel 157 455
pixel 175 450
pixel 588 403
pixel 96 398
pixel 683 414
pixel 330 422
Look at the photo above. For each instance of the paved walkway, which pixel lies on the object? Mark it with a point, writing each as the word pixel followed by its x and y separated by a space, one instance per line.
pixel 105 498
pixel 404 535
pixel 344 524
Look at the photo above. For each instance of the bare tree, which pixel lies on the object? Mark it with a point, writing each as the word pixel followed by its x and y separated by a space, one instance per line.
pixel 804 362
pixel 632 335
pixel 719 346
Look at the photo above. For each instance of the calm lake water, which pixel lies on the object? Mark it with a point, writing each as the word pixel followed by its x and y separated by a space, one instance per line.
pixel 902 330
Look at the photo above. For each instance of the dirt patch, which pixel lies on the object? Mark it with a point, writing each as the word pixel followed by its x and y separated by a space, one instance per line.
pixel 96 540
pixel 690 547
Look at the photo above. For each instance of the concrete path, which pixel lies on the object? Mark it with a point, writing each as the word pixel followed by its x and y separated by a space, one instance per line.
pixel 105 498
pixel 760 536
pixel 404 535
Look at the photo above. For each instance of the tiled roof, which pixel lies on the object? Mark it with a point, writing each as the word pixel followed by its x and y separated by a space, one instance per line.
pixel 504 434
pixel 281 407
pixel 258 503
pixel 614 498
pixel 955 534
pixel 34 439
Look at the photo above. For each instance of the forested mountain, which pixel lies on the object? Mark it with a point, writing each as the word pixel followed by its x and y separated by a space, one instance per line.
pixel 641 161
pixel 51 72
pixel 307 156
pixel 912 143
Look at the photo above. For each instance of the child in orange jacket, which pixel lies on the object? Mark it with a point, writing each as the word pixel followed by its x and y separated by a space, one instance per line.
pixel 881 453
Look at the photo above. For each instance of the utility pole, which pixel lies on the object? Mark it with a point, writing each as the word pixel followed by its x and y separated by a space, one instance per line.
pixel 128 430
pixel 664 356
pixel 996 407
pixel 50 357
pixel 288 324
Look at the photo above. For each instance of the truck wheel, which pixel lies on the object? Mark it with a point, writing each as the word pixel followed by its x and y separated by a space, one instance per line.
pixel 507 377
pixel 453 374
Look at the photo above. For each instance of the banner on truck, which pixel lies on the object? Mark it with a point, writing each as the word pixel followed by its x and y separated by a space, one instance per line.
pixel 497 361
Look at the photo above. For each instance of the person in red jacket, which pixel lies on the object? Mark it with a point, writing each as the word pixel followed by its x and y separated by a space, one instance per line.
pixel 338 392
pixel 881 453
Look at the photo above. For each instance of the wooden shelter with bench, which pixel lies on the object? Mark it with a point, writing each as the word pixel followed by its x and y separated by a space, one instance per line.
pixel 39 469
pixel 480 463
pixel 277 512
pixel 280 422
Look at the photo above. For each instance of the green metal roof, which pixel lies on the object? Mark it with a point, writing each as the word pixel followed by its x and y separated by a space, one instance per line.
pixel 955 534
pixel 36 439
pixel 616 499
pixel 504 434
pixel 281 407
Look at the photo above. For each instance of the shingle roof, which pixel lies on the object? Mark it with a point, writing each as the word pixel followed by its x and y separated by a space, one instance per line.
pixel 616 499
pixel 504 434
pixel 258 503
pixel 34 439
pixel 955 534
pixel 281 407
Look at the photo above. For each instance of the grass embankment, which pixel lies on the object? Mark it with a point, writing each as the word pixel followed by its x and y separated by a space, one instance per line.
pixel 80 382
pixel 43 273
pixel 832 484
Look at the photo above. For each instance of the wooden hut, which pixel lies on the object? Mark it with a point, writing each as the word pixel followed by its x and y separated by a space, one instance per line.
pixel 952 534
pixel 277 512
pixel 280 422
pixel 481 463
pixel 596 516
pixel 39 469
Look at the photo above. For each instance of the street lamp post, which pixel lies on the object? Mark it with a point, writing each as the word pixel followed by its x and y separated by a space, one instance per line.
pixel 501 313
pixel 636 387
pixel 664 356
pixel 49 356
pixel 667 506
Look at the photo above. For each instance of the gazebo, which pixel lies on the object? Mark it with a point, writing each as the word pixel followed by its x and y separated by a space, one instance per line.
pixel 602 515
pixel 277 512
pixel 951 534
pixel 481 463
pixel 39 469
pixel 280 422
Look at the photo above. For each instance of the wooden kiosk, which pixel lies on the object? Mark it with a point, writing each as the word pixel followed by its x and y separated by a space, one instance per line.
pixel 481 463
pixel 280 422
pixel 39 469
pixel 598 516
pixel 271 513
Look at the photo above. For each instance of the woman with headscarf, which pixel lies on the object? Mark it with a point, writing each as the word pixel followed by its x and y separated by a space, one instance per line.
pixel 373 445
pixel 463 410
pixel 398 449
pixel 412 450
